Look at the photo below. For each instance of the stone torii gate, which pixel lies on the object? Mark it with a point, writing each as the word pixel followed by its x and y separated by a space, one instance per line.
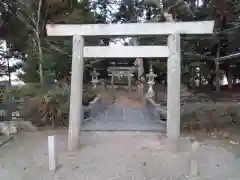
pixel 171 51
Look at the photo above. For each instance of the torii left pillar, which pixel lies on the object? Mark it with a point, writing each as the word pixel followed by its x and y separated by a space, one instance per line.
pixel 76 113
pixel 174 87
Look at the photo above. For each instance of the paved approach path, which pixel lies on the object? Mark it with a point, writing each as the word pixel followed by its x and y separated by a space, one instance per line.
pixel 112 156
pixel 127 113
pixel 118 117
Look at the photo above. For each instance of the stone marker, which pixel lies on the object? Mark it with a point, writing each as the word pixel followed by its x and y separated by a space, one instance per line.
pixel 194 172
pixel 52 154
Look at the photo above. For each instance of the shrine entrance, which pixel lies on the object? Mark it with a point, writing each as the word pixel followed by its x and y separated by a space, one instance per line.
pixel 172 52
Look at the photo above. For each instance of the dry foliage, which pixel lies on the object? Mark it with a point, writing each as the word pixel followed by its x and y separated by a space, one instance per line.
pixel 209 115
pixel 47 106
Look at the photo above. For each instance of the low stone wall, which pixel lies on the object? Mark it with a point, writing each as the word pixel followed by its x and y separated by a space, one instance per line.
pixel 13 127
pixel 155 110
pixel 94 108
pixel 10 111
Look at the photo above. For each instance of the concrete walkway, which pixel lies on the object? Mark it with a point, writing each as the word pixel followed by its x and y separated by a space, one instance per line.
pixel 127 113
pixel 113 156
pixel 118 117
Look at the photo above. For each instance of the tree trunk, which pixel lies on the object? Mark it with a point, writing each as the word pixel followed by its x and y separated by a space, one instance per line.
pixel 217 82
pixel 217 70
pixel 200 77
pixel 38 43
pixel 9 72
pixel 229 75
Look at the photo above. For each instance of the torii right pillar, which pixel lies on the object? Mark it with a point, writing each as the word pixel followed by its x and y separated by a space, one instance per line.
pixel 173 87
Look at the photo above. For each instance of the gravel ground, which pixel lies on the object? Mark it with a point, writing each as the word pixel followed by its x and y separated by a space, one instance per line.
pixel 113 156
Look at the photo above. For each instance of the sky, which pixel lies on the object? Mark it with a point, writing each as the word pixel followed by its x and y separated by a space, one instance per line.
pixel 14 79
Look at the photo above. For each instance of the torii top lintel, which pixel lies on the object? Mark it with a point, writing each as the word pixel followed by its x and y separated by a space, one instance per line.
pixel 131 29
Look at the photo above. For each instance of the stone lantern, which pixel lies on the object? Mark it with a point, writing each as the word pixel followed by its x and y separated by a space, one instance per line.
pixel 150 77
pixel 95 80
